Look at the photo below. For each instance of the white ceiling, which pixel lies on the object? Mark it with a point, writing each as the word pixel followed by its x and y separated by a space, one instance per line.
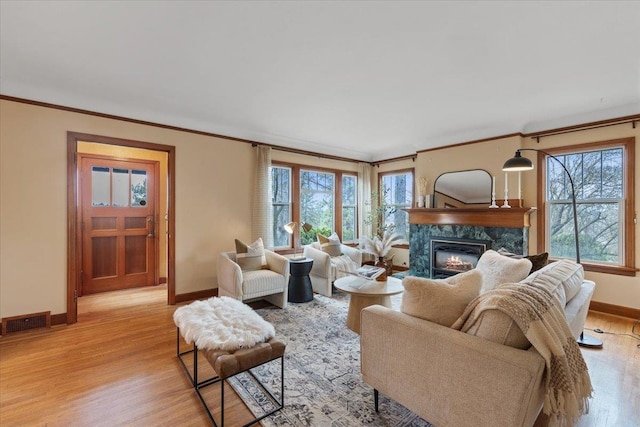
pixel 363 80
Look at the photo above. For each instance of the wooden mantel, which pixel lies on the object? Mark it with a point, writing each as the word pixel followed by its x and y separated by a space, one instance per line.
pixel 497 217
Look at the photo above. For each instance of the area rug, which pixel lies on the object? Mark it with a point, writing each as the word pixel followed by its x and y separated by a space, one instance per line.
pixel 323 384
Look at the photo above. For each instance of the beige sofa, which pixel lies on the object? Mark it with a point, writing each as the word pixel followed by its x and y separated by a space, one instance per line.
pixel 452 378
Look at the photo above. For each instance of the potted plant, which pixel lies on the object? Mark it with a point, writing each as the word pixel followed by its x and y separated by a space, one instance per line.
pixel 385 236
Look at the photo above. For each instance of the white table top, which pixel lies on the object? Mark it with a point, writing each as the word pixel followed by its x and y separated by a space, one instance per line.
pixel 361 286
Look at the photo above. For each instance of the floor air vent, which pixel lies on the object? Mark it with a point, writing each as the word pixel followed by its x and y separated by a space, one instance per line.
pixel 26 322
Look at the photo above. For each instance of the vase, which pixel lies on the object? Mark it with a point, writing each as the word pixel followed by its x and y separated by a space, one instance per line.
pixel 382 277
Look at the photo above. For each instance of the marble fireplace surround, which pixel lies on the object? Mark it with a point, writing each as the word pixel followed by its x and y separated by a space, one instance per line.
pixel 506 228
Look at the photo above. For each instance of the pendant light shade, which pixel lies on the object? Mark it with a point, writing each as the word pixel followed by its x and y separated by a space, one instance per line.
pixel 517 163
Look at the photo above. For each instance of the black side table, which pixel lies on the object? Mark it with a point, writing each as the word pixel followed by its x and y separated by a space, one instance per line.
pixel 300 289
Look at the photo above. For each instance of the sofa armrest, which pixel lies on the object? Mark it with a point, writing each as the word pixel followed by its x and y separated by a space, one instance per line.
pixel 321 262
pixel 446 376
pixel 577 308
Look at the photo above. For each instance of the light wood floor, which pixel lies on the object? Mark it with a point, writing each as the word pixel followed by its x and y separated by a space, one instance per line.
pixel 117 366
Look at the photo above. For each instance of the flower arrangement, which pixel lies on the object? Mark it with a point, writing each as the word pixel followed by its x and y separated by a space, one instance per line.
pixel 380 246
pixel 422 186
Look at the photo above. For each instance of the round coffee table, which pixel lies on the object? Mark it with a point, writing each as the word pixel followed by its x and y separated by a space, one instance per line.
pixel 364 293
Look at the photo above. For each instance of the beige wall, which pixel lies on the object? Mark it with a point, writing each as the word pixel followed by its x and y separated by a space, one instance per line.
pixel 214 180
pixel 491 155
pixel 213 202
pixel 213 198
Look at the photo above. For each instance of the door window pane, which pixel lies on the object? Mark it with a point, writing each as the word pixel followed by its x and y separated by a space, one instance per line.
pixel 100 186
pixel 138 187
pixel 120 183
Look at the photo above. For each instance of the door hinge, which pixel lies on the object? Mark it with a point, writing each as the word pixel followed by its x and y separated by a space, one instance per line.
pixel 75 295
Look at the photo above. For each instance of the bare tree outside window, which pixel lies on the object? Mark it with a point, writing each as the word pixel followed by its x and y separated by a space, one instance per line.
pixel 598 178
pixel 398 193
pixel 281 202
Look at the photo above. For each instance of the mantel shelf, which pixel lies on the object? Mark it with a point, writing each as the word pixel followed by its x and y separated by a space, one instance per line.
pixel 487 217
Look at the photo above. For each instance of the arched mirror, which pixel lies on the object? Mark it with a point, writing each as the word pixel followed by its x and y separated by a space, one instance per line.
pixel 463 189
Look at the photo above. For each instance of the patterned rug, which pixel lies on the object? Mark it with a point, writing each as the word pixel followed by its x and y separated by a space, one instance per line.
pixel 323 384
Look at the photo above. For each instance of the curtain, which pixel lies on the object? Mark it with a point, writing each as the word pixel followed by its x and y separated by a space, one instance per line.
pixel 364 196
pixel 262 221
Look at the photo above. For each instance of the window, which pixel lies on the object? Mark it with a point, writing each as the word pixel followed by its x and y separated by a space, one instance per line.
pixel 396 189
pixel 603 185
pixel 326 199
pixel 317 202
pixel 349 207
pixel 281 203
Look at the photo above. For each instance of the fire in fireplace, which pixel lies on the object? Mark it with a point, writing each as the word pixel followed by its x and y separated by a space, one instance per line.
pixel 451 256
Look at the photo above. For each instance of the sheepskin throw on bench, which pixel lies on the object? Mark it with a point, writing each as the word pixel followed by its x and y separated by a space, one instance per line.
pixel 222 323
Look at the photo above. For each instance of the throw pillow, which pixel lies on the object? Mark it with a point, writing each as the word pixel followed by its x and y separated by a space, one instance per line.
pixel 504 252
pixel 538 261
pixel 440 301
pixel 497 269
pixel 250 257
pixel 330 245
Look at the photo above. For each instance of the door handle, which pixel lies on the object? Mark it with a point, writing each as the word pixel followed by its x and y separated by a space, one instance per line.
pixel 150 227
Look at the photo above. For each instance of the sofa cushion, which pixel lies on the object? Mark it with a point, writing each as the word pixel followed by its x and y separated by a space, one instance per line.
pixel 250 257
pixel 330 245
pixel 440 301
pixel 563 273
pixel 497 269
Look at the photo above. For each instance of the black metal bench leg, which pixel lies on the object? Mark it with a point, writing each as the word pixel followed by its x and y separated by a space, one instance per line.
pixel 375 399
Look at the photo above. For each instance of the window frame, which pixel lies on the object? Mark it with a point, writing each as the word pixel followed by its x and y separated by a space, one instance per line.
pixel 410 171
pixel 296 169
pixel 628 227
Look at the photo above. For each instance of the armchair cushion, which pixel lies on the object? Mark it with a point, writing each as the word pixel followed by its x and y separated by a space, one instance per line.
pixel 250 257
pixel 440 301
pixel 331 245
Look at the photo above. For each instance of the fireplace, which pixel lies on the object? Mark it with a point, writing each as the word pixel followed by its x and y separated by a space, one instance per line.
pixel 451 256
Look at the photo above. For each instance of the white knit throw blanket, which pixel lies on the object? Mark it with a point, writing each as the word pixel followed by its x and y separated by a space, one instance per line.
pixel 222 324
pixel 343 265
pixel 541 318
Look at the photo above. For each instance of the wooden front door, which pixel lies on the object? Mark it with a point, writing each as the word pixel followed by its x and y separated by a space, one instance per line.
pixel 119 223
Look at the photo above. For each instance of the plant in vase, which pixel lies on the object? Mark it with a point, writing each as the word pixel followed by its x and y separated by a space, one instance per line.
pixel 422 192
pixel 377 209
pixel 379 246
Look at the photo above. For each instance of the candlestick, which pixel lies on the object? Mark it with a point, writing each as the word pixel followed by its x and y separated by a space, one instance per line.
pixel 506 192
pixel 519 188
pixel 493 193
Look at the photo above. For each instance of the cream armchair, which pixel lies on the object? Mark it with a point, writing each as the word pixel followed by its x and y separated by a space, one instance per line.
pixel 323 272
pixel 271 284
